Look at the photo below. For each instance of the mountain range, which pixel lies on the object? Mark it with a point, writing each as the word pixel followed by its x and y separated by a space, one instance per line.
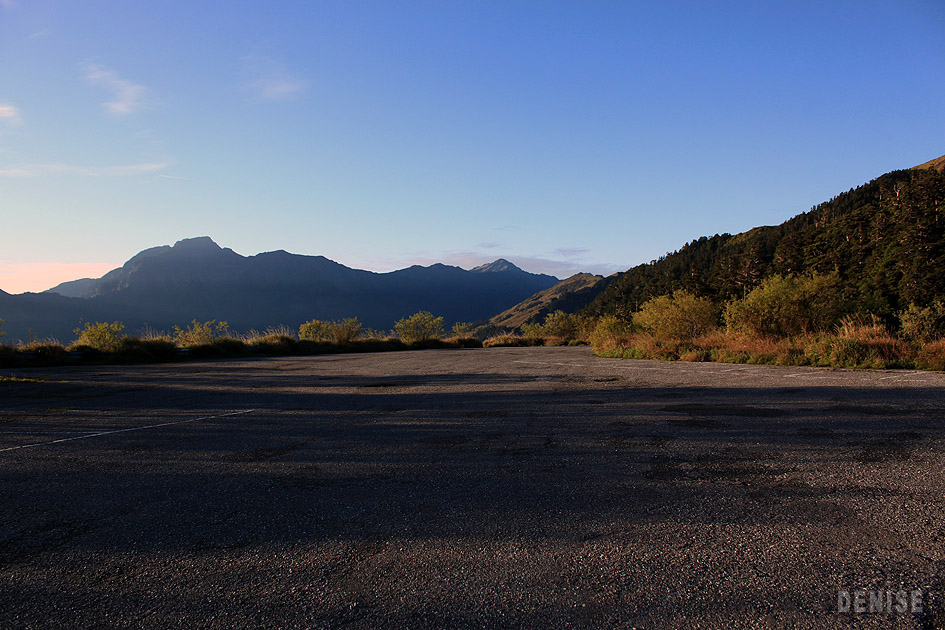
pixel 883 242
pixel 197 279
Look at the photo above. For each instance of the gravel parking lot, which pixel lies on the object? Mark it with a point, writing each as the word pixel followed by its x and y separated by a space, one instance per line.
pixel 497 488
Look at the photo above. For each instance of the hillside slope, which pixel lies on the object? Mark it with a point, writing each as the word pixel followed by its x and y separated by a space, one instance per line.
pixel 577 290
pixel 885 240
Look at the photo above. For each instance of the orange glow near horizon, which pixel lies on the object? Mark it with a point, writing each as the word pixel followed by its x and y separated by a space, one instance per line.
pixel 39 276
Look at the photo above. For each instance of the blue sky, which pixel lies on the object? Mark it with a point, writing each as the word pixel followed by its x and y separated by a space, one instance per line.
pixel 563 136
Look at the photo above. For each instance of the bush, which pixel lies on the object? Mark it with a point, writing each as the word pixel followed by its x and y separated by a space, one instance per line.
pixel 460 329
pixel 563 325
pixel 610 332
pixel 464 342
pixel 340 332
pixel 275 340
pixel 422 326
pixel 199 333
pixel 932 356
pixel 1 332
pixel 133 349
pixel 680 316
pixel 100 336
pixel 500 341
pixel 784 306
pixel 923 324
pixel 532 331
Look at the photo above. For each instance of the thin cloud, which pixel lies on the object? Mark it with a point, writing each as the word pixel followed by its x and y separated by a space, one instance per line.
pixel 39 170
pixel 9 114
pixel 128 96
pixel 571 252
pixel 270 80
pixel 8 4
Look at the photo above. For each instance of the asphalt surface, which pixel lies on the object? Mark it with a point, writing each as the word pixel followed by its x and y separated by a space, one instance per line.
pixel 497 488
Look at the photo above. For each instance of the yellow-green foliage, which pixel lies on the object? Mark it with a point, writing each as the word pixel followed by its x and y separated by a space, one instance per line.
pixel 460 329
pixel 422 326
pixel 923 324
pixel 783 306
pixel 102 336
pixel 340 332
pixel 532 331
pixel 610 332
pixel 199 333
pixel 563 325
pixel 679 316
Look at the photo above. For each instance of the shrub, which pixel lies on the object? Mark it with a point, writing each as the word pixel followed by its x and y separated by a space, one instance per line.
pixel 932 356
pixel 511 341
pixel 133 349
pixel 376 335
pixel 422 326
pixel 100 336
pixel 199 333
pixel 561 324
pixel 861 342
pixel 340 332
pixel 1 332
pixel 487 330
pixel 610 332
pixel 464 342
pixel 923 324
pixel 315 330
pixel 679 316
pixel 346 330
pixel 49 351
pixel 532 331
pixel 784 306
pixel 460 329
pixel 278 340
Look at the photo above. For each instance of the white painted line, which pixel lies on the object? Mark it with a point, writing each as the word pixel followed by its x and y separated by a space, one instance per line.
pixel 150 426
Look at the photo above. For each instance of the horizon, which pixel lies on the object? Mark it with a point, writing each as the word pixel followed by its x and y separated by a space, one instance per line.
pixel 561 137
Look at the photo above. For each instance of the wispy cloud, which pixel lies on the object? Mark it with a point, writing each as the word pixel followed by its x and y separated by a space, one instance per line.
pixel 128 96
pixel 269 79
pixel 571 252
pixel 39 170
pixel 8 4
pixel 9 114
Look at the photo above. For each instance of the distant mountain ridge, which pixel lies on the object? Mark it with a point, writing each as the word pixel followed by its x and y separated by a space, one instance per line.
pixel 196 278
pixel 577 290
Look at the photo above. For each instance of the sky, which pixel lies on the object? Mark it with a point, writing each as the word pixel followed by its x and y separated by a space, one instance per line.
pixel 563 136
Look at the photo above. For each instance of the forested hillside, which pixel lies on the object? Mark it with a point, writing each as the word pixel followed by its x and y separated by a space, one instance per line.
pixel 883 243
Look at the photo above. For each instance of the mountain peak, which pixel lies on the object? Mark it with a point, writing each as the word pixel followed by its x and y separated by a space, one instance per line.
pixel 500 264
pixel 197 244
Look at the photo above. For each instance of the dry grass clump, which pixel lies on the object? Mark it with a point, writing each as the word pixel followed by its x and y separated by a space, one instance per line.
pixel 931 356
pixel 511 341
